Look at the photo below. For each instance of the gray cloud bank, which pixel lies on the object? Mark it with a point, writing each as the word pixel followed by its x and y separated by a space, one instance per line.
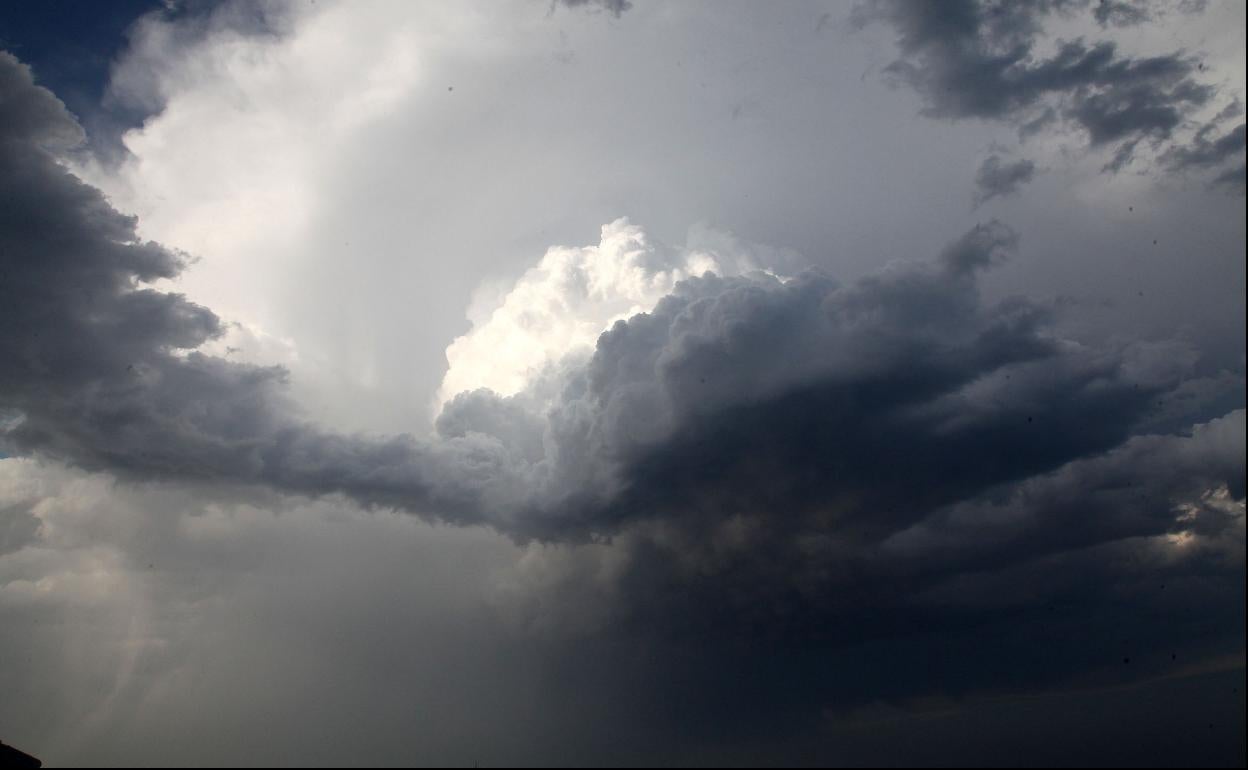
pixel 802 463
pixel 973 59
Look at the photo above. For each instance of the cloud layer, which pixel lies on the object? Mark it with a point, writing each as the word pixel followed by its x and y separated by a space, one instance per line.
pixel 905 375
pixel 885 488
pixel 982 60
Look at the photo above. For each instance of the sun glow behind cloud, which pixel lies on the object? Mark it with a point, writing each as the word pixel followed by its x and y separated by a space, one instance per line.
pixel 560 307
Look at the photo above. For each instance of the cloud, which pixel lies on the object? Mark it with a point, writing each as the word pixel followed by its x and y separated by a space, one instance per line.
pixel 859 406
pixel 148 617
pixel 891 486
pixel 975 59
pixel 614 7
pixel 996 178
pixel 561 305
pixel 1120 13
pixel 1209 151
pixel 1048 584
pixel 1131 13
pixel 1232 179
pixel 18 527
pixel 153 624
pixel 664 419
pixel 104 370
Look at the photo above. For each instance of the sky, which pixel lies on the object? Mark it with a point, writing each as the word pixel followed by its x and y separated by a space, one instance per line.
pixel 616 382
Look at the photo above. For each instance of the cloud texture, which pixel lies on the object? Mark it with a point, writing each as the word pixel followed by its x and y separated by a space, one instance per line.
pixel 744 496
pixel 982 60
pixel 997 178
pixel 905 374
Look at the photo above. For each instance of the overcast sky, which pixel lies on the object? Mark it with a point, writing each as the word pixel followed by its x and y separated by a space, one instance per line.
pixel 613 382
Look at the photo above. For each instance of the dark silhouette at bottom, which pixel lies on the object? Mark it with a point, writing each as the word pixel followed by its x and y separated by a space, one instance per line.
pixel 11 757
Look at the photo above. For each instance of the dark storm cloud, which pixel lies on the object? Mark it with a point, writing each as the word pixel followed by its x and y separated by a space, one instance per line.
pixel 971 59
pixel 752 628
pixel 821 411
pixel 863 405
pixel 888 483
pixel 1122 566
pixel 997 178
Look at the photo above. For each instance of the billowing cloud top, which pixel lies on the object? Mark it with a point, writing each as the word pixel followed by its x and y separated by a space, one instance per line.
pixel 559 307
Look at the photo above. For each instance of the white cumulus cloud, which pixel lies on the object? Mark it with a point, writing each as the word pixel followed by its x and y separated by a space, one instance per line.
pixel 560 306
